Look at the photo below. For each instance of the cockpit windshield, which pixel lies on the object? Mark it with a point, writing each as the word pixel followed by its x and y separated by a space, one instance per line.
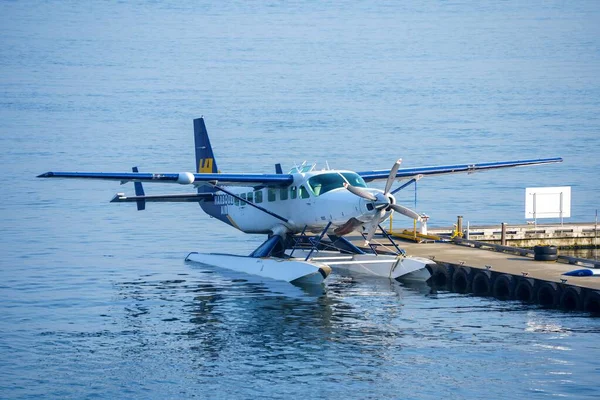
pixel 354 179
pixel 323 183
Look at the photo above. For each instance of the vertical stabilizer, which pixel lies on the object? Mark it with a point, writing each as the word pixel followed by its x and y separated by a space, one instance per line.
pixel 139 191
pixel 205 159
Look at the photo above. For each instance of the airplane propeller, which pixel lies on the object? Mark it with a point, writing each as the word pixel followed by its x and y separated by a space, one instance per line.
pixel 382 202
pixel 360 192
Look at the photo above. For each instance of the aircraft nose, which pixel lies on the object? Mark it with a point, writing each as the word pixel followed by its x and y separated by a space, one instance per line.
pixel 368 207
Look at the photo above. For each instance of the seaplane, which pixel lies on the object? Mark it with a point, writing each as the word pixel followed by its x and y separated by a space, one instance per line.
pixel 307 214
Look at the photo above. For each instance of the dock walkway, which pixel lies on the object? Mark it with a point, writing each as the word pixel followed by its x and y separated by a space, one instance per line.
pixel 508 273
pixel 550 271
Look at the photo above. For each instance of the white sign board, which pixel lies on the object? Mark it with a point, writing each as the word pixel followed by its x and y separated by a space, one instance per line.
pixel 548 202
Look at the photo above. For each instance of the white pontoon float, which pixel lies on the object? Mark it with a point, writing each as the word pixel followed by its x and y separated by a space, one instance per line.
pixel 303 259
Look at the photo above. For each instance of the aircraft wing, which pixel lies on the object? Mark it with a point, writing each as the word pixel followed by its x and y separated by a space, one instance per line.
pixel 183 178
pixel 408 173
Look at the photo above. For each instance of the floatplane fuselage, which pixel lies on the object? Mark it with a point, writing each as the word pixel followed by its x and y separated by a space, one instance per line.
pixel 305 200
pixel 311 201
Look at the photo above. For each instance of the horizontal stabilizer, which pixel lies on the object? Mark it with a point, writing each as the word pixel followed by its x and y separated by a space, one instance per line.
pixel 164 198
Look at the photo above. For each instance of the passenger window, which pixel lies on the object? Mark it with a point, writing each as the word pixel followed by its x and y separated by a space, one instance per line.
pixel 249 197
pixel 293 192
pixel 243 197
pixel 258 196
pixel 283 194
pixel 271 194
pixel 236 201
pixel 304 193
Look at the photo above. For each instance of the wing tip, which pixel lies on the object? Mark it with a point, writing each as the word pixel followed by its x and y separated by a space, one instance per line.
pixel 46 175
pixel 553 159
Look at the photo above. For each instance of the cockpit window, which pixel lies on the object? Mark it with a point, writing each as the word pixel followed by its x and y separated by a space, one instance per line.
pixel 354 179
pixel 321 184
pixel 303 192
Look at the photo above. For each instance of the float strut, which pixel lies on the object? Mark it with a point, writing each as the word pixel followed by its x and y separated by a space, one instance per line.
pixel 296 240
pixel 387 235
pixel 370 244
pixel 315 244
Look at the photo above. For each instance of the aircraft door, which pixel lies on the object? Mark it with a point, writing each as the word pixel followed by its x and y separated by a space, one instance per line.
pixel 308 202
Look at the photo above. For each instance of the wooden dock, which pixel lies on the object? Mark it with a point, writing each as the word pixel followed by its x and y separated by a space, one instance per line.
pixel 500 262
pixel 508 273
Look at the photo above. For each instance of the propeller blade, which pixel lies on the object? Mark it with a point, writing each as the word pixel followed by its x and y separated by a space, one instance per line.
pixel 360 192
pixel 392 176
pixel 405 211
pixel 373 226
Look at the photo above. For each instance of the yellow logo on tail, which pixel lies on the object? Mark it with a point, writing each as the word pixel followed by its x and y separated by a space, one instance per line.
pixel 205 166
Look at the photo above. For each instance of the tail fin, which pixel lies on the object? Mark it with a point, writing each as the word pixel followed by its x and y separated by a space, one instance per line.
pixel 139 191
pixel 205 159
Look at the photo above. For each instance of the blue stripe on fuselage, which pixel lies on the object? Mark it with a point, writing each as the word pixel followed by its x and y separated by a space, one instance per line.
pixel 214 210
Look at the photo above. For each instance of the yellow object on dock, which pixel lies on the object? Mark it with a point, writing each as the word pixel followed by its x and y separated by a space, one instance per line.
pixel 414 236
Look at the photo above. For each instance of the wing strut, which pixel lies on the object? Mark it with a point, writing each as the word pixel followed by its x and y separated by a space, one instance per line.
pixel 413 180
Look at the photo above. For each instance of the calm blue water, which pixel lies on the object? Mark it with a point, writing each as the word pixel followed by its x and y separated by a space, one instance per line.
pixel 95 299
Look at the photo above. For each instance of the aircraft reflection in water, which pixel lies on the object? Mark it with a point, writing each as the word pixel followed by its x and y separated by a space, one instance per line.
pixel 220 317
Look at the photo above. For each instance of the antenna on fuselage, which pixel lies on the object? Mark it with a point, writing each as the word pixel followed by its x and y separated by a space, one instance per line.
pixel 327 165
